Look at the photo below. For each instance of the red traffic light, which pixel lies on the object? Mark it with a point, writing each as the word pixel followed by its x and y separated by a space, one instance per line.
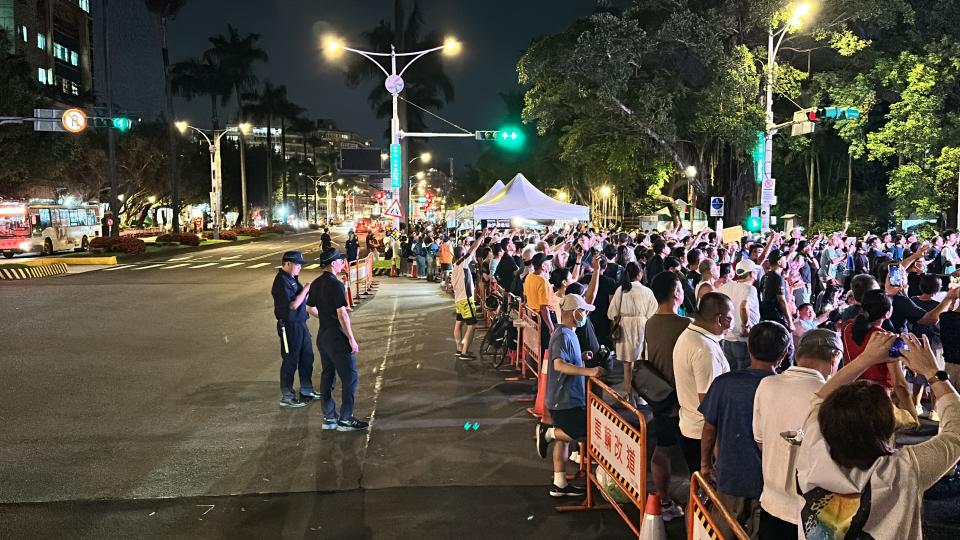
pixel 813 116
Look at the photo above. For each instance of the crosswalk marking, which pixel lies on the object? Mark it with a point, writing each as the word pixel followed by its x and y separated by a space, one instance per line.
pixel 181 258
pixel 203 265
pixel 231 265
pixel 148 266
pixel 229 258
pixel 259 265
pixel 181 265
pixel 118 267
pixel 311 267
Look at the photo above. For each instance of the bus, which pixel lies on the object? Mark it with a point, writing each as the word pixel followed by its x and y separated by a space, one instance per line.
pixel 46 227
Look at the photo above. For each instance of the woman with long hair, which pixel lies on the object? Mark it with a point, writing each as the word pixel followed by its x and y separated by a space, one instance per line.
pixel 632 304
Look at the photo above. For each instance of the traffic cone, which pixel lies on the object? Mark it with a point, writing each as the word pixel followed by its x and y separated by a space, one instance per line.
pixel 413 271
pixel 539 408
pixel 393 268
pixel 652 527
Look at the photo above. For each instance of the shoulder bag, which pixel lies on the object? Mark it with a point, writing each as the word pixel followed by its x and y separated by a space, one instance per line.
pixel 616 329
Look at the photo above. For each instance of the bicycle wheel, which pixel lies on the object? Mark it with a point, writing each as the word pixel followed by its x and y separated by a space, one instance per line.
pixel 501 356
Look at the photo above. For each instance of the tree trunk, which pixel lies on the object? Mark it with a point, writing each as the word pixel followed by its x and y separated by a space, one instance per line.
pixel 849 185
pixel 171 129
pixel 810 192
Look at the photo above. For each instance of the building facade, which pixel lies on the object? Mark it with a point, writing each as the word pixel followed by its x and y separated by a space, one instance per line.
pixel 56 38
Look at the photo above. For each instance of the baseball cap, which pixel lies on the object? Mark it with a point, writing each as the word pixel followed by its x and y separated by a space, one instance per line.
pixel 572 302
pixel 745 268
pixel 815 342
pixel 539 258
pixel 294 257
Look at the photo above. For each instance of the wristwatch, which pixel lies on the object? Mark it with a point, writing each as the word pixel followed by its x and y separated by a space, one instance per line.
pixel 939 376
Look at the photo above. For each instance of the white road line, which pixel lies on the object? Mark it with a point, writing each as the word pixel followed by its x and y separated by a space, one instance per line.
pixel 258 265
pixel 228 258
pixel 188 257
pixel 148 266
pixel 231 265
pixel 181 265
pixel 203 265
pixel 311 267
pixel 119 267
pixel 383 365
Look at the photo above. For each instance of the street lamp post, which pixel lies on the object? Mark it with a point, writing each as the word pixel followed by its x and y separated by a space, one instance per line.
pixel 799 11
pixel 216 174
pixel 394 84
pixel 329 197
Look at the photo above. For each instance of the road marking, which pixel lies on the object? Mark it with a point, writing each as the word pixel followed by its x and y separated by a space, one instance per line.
pixel 228 258
pixel 181 265
pixel 311 267
pixel 148 266
pixel 383 365
pixel 258 265
pixel 120 267
pixel 181 258
pixel 231 265
pixel 203 265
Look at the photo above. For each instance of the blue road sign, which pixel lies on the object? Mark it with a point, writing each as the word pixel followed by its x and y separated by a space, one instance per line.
pixel 396 166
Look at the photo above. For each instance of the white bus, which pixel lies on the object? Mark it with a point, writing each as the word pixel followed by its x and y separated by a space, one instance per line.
pixel 37 227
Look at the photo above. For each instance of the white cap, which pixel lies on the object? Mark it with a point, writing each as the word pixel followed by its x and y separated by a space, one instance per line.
pixel 746 267
pixel 573 302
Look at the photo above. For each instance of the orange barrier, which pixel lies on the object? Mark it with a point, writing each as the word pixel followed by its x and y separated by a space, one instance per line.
pixel 619 449
pixel 529 342
pixel 704 510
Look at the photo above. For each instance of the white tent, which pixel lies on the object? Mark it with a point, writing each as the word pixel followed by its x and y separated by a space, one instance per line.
pixel 466 212
pixel 520 198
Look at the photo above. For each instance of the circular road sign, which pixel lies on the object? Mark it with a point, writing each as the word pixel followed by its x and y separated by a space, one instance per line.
pixel 716 203
pixel 394 84
pixel 74 120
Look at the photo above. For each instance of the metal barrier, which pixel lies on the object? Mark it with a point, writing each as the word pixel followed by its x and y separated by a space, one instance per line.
pixel 619 449
pixel 704 509
pixel 529 342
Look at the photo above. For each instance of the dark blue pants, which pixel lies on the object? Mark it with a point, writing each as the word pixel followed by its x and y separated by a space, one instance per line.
pixel 337 361
pixel 299 359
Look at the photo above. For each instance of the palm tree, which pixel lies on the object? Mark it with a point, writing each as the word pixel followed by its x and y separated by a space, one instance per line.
pixel 305 128
pixel 266 106
pixel 289 112
pixel 204 77
pixel 236 56
pixel 165 10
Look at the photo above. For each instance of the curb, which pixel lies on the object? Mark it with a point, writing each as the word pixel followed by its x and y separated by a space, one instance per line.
pixel 73 260
pixel 32 272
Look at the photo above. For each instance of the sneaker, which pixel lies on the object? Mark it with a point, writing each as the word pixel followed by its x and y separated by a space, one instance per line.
pixel 292 403
pixel 569 491
pixel 330 423
pixel 541 438
pixel 671 510
pixel 351 424
pixel 306 398
pixel 575 457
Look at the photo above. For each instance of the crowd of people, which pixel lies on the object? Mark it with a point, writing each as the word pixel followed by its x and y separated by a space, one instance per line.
pixel 781 366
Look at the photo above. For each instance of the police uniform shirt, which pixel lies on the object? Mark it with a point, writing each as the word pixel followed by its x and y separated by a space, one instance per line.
pixel 285 290
pixel 328 295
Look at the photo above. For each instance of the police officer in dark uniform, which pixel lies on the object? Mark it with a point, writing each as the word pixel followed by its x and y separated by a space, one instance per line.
pixel 327 302
pixel 296 349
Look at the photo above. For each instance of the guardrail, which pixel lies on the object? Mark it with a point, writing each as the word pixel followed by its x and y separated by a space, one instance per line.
pixel 358 280
pixel 703 512
pixel 619 449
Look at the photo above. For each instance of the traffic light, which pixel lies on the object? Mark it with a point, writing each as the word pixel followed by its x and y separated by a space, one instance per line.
pixel 506 137
pixel 753 224
pixel 122 124
pixel 379 196
pixel 486 135
pixel 833 114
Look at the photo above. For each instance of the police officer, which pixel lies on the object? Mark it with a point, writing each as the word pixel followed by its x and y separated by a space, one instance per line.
pixel 327 302
pixel 296 349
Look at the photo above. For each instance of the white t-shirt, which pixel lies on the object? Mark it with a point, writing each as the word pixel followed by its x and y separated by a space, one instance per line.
pixel 739 292
pixel 460 277
pixel 782 403
pixel 697 360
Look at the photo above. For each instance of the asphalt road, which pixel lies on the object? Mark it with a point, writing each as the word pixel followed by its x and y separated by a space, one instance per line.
pixel 142 401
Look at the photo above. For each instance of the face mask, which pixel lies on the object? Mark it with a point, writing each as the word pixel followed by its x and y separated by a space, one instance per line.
pixel 582 322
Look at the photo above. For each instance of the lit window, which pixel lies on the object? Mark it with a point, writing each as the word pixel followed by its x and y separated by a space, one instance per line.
pixel 73 89
pixel 50 76
pixel 84 5
pixel 74 58
pixel 58 51
pixel 23 32
pixel 41 41
pixel 42 75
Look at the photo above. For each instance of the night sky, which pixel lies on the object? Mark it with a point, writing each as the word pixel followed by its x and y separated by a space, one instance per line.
pixel 494 34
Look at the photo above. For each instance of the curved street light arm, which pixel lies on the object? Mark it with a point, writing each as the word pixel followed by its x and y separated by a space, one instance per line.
pixel 418 54
pixel 369 56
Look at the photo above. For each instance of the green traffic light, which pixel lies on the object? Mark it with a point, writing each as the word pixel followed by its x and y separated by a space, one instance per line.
pixel 122 124
pixel 510 138
pixel 753 224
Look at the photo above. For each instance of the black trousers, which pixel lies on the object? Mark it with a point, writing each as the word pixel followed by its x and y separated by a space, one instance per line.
pixel 296 357
pixel 774 528
pixel 691 452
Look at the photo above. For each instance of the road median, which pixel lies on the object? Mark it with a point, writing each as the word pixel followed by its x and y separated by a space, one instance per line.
pixel 9 272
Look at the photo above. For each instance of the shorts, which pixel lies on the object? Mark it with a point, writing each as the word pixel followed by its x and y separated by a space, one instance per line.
pixel 446 267
pixel 573 421
pixel 666 427
pixel 467 311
